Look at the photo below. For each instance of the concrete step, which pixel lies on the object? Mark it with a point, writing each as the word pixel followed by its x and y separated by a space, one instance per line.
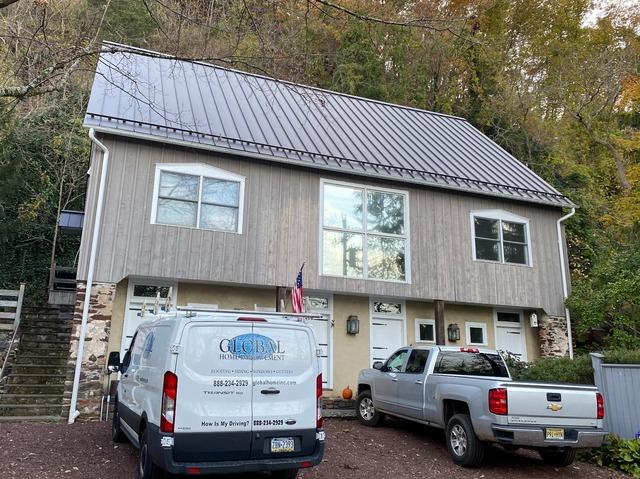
pixel 31 418
pixel 50 337
pixel 34 388
pixel 44 346
pixel 35 379
pixel 30 409
pixel 46 359
pixel 53 329
pixel 39 369
pixel 55 399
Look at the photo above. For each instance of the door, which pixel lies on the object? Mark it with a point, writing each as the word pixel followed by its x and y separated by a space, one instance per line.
pixel 385 384
pixel 387 328
pixel 322 305
pixel 125 387
pixel 411 385
pixel 510 334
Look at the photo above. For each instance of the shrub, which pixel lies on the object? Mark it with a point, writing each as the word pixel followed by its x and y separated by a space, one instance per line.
pixel 563 370
pixel 631 356
pixel 622 454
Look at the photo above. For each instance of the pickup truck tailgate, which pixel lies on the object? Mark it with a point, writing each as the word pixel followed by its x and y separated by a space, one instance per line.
pixel 549 404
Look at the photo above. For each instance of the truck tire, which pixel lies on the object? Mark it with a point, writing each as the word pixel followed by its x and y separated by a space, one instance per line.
pixel 285 474
pixel 465 448
pixel 558 457
pixel 117 434
pixel 366 412
pixel 147 469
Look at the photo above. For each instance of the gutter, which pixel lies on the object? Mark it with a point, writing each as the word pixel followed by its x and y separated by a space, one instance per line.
pixel 73 411
pixel 565 284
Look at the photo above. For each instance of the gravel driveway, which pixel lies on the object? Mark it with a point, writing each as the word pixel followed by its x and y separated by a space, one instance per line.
pixel 399 450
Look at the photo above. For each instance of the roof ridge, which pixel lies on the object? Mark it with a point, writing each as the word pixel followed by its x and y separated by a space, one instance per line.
pixel 155 54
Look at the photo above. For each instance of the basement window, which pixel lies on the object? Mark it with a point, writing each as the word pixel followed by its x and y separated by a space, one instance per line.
pixel 198 196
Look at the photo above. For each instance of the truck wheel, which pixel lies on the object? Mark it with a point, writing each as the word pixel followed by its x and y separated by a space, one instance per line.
pixel 117 434
pixel 465 448
pixel 285 474
pixel 558 457
pixel 147 469
pixel 366 412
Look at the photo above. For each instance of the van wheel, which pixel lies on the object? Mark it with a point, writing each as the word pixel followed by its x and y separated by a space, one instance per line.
pixel 366 412
pixel 117 434
pixel 558 457
pixel 285 474
pixel 465 448
pixel 147 469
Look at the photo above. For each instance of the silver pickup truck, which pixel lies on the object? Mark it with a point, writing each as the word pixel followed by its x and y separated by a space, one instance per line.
pixel 469 393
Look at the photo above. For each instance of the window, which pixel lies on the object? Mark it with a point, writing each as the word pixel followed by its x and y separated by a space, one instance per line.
pixel 364 232
pixel 426 330
pixel 417 361
pixel 501 237
pixel 476 334
pixel 471 364
pixel 395 362
pixel 508 318
pixel 198 196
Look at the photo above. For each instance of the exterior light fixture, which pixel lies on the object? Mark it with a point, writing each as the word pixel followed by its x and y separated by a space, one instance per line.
pixel 453 332
pixel 353 325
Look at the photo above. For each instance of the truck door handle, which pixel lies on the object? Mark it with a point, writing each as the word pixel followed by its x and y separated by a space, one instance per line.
pixel 270 391
pixel 395 380
pixel 418 381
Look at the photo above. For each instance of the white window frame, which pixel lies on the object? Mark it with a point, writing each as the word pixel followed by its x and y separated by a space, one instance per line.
pixel 501 215
pixel 203 171
pixel 467 330
pixel 507 325
pixel 402 317
pixel 420 321
pixel 365 263
pixel 329 312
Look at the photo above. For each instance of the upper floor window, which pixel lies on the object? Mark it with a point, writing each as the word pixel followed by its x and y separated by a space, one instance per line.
pixel 364 232
pixel 500 236
pixel 198 196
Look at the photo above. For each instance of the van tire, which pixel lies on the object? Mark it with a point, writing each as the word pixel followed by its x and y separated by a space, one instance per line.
pixel 366 412
pixel 558 457
pixel 464 447
pixel 147 469
pixel 285 474
pixel 117 434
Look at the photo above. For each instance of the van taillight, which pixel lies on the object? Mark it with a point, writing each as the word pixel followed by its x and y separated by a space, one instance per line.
pixel 498 401
pixel 600 404
pixel 168 409
pixel 319 401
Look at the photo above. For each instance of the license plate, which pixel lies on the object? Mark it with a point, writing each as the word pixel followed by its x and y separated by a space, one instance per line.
pixel 555 433
pixel 282 444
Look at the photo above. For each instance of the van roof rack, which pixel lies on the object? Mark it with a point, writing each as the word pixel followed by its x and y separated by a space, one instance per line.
pixel 245 312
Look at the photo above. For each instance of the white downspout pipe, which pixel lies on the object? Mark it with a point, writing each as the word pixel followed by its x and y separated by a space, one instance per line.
pixel 73 411
pixel 565 284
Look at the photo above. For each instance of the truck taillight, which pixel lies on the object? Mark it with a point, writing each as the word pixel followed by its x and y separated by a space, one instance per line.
pixel 498 401
pixel 319 401
pixel 168 408
pixel 600 404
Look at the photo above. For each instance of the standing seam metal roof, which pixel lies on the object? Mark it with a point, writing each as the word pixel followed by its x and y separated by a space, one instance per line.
pixel 157 97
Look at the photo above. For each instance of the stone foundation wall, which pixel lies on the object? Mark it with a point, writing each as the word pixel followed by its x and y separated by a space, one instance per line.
pixel 552 333
pixel 94 358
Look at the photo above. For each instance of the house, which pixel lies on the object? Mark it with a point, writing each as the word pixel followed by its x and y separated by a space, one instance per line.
pixel 217 185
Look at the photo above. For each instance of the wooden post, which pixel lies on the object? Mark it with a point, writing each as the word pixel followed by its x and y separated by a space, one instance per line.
pixel 438 308
pixel 281 298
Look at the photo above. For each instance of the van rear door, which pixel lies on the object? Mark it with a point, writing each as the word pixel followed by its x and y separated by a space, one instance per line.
pixel 213 404
pixel 284 390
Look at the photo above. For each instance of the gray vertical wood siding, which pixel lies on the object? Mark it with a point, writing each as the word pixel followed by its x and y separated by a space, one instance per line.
pixel 281 230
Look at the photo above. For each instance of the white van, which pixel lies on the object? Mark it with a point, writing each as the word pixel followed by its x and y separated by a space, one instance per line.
pixel 221 392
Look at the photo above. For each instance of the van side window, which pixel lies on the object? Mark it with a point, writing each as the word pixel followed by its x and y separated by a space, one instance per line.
pixel 126 361
pixel 417 361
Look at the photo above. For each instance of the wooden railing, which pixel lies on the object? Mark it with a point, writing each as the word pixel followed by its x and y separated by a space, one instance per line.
pixel 10 309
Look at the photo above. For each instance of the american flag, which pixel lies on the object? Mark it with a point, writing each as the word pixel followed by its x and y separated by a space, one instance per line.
pixel 296 294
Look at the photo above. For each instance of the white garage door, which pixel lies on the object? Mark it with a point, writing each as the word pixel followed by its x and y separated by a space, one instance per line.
pixel 387 328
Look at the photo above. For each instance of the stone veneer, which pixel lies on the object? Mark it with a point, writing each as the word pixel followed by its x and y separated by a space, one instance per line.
pixel 94 360
pixel 552 333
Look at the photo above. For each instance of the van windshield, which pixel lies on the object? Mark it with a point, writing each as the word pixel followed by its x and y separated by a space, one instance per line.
pixel 471 364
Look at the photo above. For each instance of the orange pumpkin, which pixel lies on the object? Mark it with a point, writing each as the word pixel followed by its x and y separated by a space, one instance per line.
pixel 347 393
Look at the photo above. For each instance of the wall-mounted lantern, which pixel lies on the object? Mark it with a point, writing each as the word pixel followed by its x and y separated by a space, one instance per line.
pixel 353 325
pixel 453 332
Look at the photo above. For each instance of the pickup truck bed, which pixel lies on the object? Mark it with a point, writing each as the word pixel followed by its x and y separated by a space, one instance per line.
pixel 469 393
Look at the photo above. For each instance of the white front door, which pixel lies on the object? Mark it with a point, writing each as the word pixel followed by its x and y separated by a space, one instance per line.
pixel 387 328
pixel 510 333
pixel 322 304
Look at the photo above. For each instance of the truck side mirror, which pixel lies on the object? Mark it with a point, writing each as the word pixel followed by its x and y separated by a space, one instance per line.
pixel 378 365
pixel 113 364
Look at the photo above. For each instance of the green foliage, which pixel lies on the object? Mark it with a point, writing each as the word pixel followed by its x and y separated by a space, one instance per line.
pixel 622 454
pixel 621 356
pixel 564 370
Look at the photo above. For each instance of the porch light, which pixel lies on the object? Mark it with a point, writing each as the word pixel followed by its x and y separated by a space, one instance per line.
pixel 453 332
pixel 353 325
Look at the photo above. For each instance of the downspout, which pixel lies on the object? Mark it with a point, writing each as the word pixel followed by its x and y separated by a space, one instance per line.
pixel 565 285
pixel 73 411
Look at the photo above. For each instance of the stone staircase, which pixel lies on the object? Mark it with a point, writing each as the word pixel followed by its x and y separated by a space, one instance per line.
pixel 33 390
